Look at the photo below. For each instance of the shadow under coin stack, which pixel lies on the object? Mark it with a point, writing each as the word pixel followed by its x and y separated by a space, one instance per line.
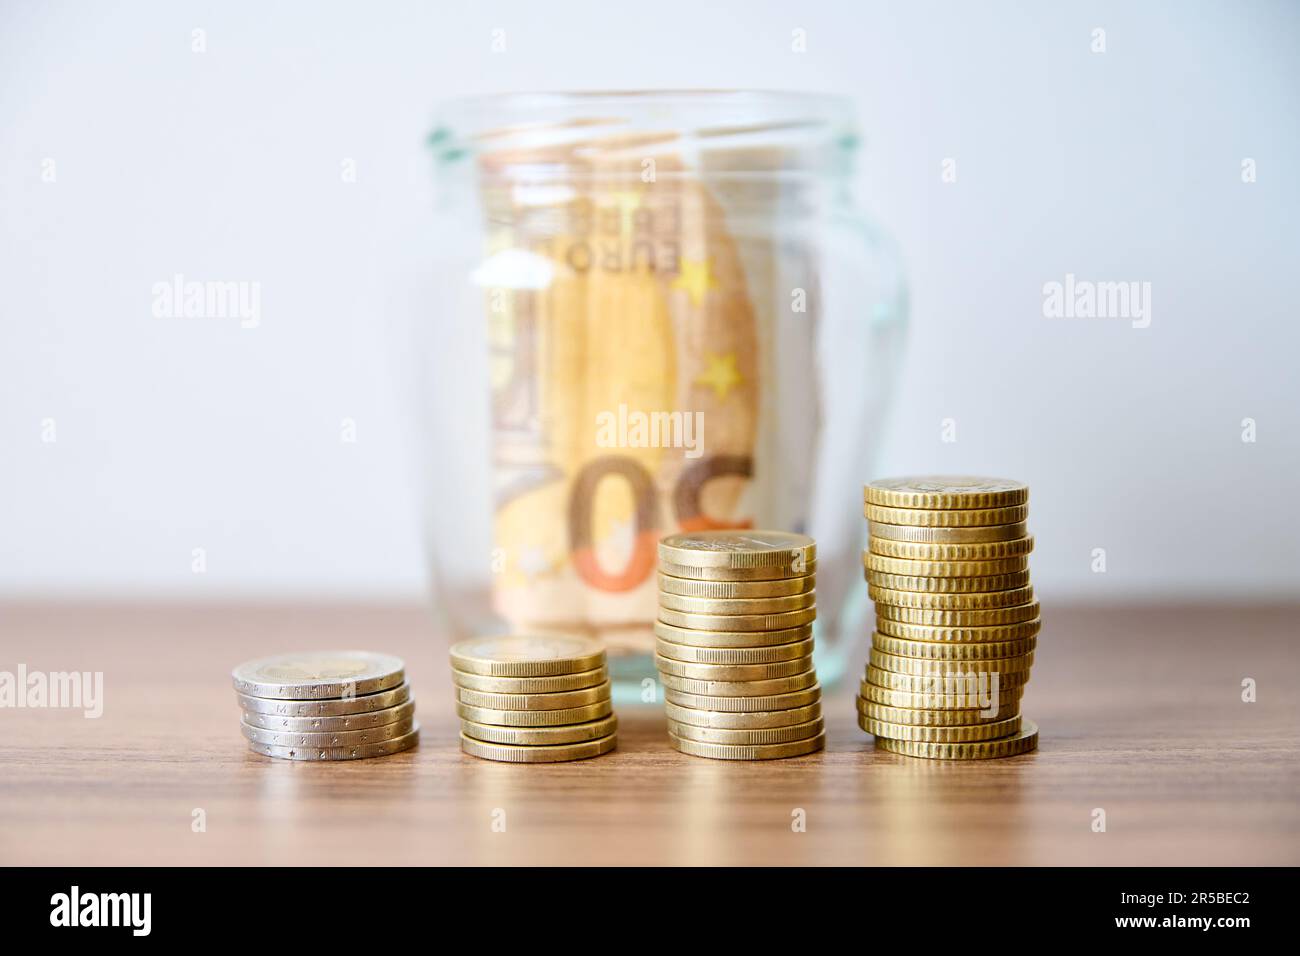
pixel 543 699
pixel 734 644
pixel 326 705
pixel 956 621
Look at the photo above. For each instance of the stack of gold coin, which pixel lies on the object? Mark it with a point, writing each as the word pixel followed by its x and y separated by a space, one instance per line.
pixel 734 644
pixel 947 565
pixel 326 705
pixel 525 699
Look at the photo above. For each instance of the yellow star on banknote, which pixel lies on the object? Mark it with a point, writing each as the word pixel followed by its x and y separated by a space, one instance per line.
pixel 721 375
pixel 696 278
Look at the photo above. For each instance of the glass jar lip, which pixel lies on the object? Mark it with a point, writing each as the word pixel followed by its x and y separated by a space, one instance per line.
pixel 701 95
pixel 549 133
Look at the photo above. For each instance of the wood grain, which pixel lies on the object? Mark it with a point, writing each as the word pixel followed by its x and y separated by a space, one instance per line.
pixel 1140 710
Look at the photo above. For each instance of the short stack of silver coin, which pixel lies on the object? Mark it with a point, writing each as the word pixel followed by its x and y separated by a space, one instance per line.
pixel 326 705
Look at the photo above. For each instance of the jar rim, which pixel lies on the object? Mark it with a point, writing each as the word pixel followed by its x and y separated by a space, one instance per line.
pixel 548 133
pixel 689 94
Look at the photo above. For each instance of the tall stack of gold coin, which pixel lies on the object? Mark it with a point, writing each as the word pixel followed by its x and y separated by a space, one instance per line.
pixel 543 699
pixel 956 621
pixel 326 705
pixel 734 644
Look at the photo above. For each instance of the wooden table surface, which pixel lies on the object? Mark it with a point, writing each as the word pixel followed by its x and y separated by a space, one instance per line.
pixel 1140 710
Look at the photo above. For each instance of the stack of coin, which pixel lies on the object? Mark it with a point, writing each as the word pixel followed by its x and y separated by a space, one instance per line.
pixel 734 644
pixel 956 621
pixel 542 699
pixel 326 705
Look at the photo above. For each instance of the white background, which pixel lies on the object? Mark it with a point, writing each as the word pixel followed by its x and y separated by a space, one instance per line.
pixel 174 435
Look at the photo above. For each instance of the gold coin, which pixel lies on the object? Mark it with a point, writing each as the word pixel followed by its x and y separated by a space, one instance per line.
pixel 915 665
pixel 947 518
pixel 936 551
pixel 531 685
pixel 737 590
pixel 973 618
pixel 535 718
pixel 732 672
pixel 910 700
pixel 952 602
pixel 541 736
pixel 691 654
pixel 746 606
pixel 748 688
pixel 558 701
pixel 745 705
pixel 318 675
pixel 796 748
pixel 940 735
pixel 945 491
pixel 948 651
pixel 739 549
pixel 319 725
pixel 971 684
pixel 951 717
pixel 1023 742
pixel 943 569
pixel 899 532
pixel 999 633
pixel 737 575
pixel 756 720
pixel 738 622
pixel 965 585
pixel 527 656
pixel 355 752
pixel 767 735
pixel 553 753
pixel 709 638
pixel 337 738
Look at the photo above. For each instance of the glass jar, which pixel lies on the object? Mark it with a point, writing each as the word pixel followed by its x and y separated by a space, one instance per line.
pixel 655 312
